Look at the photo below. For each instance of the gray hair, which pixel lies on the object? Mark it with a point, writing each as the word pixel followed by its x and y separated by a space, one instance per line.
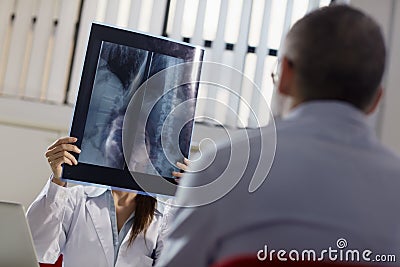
pixel 338 53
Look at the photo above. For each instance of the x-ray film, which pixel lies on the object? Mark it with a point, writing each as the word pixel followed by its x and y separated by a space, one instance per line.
pixel 135 110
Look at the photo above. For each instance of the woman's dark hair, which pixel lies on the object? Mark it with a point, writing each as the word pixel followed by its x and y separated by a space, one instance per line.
pixel 144 213
pixel 145 205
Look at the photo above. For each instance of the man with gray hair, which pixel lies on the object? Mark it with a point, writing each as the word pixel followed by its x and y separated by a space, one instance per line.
pixel 332 192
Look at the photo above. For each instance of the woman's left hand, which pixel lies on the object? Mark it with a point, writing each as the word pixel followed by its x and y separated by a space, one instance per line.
pixel 183 166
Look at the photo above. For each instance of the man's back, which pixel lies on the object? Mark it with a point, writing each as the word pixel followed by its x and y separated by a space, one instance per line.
pixel 331 179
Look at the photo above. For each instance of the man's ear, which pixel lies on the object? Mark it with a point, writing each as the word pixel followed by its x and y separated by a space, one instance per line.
pixel 375 101
pixel 286 79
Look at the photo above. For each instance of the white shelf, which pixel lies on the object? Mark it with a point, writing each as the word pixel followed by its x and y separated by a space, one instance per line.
pixel 36 115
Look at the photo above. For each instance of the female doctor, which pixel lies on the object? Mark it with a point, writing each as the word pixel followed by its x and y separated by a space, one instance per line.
pixel 94 226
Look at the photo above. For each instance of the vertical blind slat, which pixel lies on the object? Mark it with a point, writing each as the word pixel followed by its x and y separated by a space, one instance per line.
pixel 199 25
pixel 157 17
pixel 32 82
pixel 223 92
pixel 219 42
pixel 63 44
pixel 238 62
pixel 22 32
pixel 197 39
pixel 288 19
pixel 28 48
pixel 177 22
pixel 123 13
pixel 218 50
pixel 312 4
pixel 261 53
pixel 6 10
pixel 133 21
pixel 145 16
pixel 112 12
pixel 88 15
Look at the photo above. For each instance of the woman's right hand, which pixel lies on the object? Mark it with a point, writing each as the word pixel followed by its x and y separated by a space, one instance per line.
pixel 59 153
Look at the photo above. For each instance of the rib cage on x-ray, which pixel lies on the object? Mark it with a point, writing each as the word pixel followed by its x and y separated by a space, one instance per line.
pixel 151 153
pixel 120 72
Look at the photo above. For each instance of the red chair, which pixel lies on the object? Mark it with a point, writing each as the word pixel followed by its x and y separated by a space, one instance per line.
pixel 252 261
pixel 58 263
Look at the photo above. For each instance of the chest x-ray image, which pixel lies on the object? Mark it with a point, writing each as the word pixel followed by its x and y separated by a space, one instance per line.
pixel 120 72
pixel 130 125
pixel 155 150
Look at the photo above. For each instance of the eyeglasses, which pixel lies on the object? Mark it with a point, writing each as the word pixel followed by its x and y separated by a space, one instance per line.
pixel 275 71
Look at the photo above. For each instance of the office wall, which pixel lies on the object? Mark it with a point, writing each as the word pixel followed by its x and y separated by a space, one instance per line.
pixel 390 130
pixel 27 129
pixel 387 13
pixel 24 169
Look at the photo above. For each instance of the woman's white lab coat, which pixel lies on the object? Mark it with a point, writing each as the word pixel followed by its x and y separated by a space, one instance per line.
pixel 76 222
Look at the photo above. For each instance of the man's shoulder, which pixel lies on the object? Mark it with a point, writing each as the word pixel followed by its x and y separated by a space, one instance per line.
pixel 248 136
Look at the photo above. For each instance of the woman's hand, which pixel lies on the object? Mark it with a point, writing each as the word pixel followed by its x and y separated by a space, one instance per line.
pixel 59 153
pixel 183 166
